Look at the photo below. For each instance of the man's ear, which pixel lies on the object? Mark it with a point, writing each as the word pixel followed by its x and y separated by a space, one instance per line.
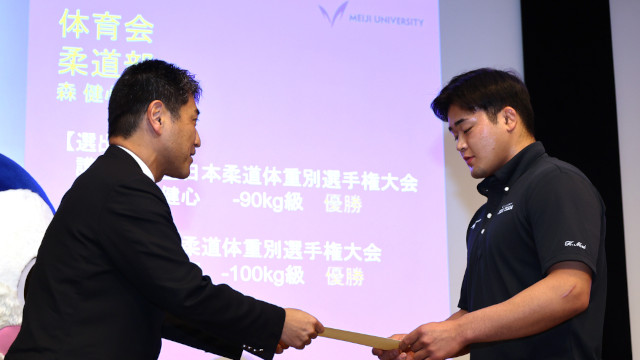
pixel 509 116
pixel 153 116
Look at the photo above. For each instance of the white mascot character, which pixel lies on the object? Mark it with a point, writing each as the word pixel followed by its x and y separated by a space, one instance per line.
pixel 25 213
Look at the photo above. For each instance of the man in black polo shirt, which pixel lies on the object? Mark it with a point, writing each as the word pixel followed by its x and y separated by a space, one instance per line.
pixel 535 282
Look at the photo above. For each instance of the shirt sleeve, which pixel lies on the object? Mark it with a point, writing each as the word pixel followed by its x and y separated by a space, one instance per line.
pixel 463 302
pixel 567 218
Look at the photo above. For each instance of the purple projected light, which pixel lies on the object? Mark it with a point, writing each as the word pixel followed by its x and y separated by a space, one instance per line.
pixel 320 182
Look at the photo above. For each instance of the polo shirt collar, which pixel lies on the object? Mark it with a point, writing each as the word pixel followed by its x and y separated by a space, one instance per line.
pixel 513 169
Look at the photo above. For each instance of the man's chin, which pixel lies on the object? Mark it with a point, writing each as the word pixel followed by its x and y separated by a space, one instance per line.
pixel 478 173
pixel 180 175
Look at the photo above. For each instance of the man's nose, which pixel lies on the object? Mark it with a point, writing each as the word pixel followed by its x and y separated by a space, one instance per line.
pixel 461 144
pixel 197 143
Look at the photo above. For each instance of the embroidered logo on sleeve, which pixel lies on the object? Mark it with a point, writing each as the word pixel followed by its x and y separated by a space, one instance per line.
pixel 575 244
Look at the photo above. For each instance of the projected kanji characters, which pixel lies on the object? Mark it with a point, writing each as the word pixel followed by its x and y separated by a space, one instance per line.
pixel 73 23
pixel 66 92
pixel 273 249
pixel 231 247
pixel 211 173
pixel 86 142
pixel 83 163
pixel 253 248
pixel 370 181
pixel 390 182
pixel 193 172
pixel 294 275
pixel 140 29
pixel 191 245
pixel 372 253
pixel 355 276
pixel 103 142
pixel 251 175
pixel 312 249
pixel 211 247
pixel 332 251
pixel 71 61
pixel 409 184
pixel 350 178
pixel 172 193
pixel 335 276
pixel 93 93
pixel 331 179
pixel 311 178
pixel 107 25
pixel 190 197
pixel 353 252
pixel 107 65
pixel 292 177
pixel 231 174
pixel 293 249
pixel 293 201
pixel 271 176
pixel 333 203
pixel 352 204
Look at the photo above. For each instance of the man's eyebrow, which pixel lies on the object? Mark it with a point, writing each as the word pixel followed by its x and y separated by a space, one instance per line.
pixel 457 123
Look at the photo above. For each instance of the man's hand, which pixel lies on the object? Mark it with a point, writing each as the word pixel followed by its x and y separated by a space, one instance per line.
pixel 299 328
pixel 281 347
pixel 395 354
pixel 436 341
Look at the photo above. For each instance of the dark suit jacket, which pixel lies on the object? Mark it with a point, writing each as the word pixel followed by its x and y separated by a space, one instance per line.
pixel 111 278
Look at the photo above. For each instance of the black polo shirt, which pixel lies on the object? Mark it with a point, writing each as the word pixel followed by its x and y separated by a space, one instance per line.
pixel 539 211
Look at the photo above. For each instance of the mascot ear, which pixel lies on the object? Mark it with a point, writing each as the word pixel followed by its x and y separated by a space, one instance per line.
pixel 13 176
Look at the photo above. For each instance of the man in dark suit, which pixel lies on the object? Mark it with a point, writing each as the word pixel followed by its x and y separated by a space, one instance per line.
pixel 111 278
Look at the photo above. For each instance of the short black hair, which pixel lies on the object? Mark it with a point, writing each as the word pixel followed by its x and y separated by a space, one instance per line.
pixel 142 83
pixel 486 89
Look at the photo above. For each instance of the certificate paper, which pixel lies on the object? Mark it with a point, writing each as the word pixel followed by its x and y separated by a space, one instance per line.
pixel 362 339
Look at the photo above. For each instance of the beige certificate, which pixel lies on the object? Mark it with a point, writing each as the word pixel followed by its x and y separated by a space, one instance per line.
pixel 362 339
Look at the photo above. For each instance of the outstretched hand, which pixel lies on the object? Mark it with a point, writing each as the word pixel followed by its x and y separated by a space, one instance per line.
pixel 436 340
pixel 299 329
pixel 395 354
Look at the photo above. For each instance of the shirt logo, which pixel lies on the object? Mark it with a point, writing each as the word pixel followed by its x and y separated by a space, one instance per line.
pixel 575 244
pixel 474 224
pixel 506 207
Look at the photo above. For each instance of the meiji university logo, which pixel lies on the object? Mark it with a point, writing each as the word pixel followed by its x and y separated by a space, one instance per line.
pixel 338 13
pixel 355 16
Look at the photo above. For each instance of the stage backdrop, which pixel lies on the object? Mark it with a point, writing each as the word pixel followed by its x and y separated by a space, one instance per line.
pixel 320 181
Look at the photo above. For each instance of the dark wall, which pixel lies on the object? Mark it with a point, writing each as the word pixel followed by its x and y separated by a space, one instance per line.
pixel 568 68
